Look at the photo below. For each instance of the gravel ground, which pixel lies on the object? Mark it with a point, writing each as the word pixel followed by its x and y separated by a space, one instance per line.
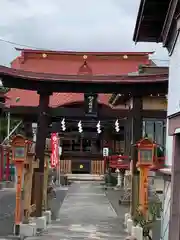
pixel 7 208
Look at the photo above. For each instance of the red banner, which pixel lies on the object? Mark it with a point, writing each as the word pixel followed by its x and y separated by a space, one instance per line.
pixel 55 150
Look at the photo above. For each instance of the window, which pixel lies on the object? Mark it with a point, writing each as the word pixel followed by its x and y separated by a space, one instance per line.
pixel 149 130
pixel 86 144
pixel 66 144
pixel 76 144
pixel 155 130
pixel 159 132
pixel 146 155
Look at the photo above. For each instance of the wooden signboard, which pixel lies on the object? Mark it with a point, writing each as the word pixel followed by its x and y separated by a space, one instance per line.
pixel 91 104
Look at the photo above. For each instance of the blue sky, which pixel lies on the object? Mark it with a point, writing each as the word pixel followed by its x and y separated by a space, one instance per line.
pixel 81 25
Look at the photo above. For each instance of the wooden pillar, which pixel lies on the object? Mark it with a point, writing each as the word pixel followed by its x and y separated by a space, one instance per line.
pixel 93 145
pixel 28 131
pixel 42 131
pixel 127 134
pixel 81 144
pixel 7 165
pixel 29 168
pixel 2 163
pixel 136 135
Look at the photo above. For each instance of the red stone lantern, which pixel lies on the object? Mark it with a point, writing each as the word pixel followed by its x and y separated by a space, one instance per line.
pixel 19 155
pixel 146 150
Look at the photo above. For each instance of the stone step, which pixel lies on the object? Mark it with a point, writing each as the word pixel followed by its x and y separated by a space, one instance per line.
pixel 85 177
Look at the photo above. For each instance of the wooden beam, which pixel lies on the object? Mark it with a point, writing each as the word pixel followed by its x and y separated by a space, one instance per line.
pixel 158 114
pixel 74 134
pixel 155 13
pixel 57 114
pixel 69 113
pixel 168 20
pixel 77 86
pixel 81 155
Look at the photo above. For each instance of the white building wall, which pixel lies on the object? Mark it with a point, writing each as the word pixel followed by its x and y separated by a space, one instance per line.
pixel 166 211
pixel 173 107
pixel 173 95
pixel 174 80
pixel 169 147
pixel 167 190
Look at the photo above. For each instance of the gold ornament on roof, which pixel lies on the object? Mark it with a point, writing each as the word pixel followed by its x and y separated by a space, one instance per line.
pixel 44 55
pixel 125 57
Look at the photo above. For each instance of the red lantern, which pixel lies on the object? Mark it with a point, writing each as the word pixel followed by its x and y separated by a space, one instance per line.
pixel 146 150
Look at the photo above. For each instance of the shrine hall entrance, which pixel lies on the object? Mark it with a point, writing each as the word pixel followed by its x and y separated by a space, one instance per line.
pixel 82 151
pixel 81 166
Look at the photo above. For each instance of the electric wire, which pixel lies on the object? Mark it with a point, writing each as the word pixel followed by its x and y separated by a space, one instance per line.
pixel 45 49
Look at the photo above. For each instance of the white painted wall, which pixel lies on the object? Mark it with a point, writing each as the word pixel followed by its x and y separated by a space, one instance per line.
pixel 169 147
pixel 173 107
pixel 174 80
pixel 166 211
pixel 167 190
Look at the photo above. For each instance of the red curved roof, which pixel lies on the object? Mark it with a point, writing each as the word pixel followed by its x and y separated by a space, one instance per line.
pixel 31 98
pixel 101 63
pixel 40 76
pixel 105 66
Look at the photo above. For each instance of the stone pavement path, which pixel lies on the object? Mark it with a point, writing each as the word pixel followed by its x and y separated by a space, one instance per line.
pixel 86 214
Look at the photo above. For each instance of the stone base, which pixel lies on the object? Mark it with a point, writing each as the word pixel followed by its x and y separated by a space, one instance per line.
pixel 129 225
pixel 117 188
pixel 137 232
pixel 28 230
pixel 126 217
pixel 47 214
pixel 41 223
pixel 130 238
pixel 13 237
pixel 85 177
pixel 9 184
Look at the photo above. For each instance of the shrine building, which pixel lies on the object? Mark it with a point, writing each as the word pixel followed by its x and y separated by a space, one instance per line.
pixel 130 76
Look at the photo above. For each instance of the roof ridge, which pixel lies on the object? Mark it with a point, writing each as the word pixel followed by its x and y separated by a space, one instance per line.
pixel 67 52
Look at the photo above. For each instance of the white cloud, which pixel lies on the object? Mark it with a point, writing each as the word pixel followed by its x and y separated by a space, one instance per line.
pixel 96 25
